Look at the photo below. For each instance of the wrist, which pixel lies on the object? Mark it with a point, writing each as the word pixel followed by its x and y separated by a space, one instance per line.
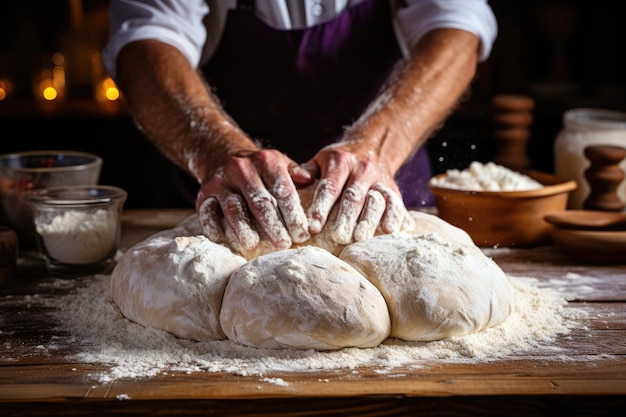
pixel 217 146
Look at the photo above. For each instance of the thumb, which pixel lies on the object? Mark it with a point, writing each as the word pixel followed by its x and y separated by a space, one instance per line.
pixel 303 174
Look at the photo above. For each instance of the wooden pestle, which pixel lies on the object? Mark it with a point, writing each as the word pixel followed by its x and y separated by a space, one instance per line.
pixel 604 176
pixel 512 116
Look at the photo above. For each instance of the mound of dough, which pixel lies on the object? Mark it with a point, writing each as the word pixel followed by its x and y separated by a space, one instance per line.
pixel 303 298
pixel 434 288
pixel 425 222
pixel 427 282
pixel 175 283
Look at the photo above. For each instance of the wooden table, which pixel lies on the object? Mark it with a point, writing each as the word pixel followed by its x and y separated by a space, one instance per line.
pixel 33 383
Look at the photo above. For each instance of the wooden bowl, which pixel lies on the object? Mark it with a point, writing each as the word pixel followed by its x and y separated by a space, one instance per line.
pixel 505 218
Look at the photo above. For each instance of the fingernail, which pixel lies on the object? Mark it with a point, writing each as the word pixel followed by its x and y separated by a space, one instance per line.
pixel 297 170
pixel 315 226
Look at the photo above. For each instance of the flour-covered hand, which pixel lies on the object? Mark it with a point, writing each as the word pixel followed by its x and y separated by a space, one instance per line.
pixel 366 194
pixel 257 188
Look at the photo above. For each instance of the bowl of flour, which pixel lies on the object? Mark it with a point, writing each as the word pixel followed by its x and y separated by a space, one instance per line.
pixel 77 227
pixel 500 207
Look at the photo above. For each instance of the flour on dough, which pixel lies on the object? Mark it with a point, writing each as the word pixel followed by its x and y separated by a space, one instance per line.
pixel 434 288
pixel 303 298
pixel 425 222
pixel 175 283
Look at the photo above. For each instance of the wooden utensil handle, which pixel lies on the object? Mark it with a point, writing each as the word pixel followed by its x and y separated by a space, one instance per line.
pixel 604 176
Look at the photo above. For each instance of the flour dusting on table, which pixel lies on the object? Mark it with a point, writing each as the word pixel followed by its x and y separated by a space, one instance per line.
pixel 104 336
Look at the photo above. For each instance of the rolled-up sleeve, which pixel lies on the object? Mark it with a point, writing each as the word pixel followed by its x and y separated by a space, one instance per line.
pixel 417 17
pixel 177 23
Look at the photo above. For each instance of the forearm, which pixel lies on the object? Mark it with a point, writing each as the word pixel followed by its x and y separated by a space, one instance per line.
pixel 418 97
pixel 174 108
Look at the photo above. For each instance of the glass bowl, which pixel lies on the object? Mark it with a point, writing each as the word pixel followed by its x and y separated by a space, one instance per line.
pixel 77 227
pixel 22 172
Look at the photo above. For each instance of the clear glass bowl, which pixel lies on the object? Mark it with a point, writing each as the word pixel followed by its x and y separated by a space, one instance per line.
pixel 77 227
pixel 22 172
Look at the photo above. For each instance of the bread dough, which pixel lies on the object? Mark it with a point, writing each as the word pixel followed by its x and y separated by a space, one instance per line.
pixel 435 288
pixel 175 282
pixel 425 223
pixel 427 282
pixel 303 298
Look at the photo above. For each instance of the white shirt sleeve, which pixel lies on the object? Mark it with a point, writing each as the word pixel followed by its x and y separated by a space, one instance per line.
pixel 417 17
pixel 181 23
pixel 177 23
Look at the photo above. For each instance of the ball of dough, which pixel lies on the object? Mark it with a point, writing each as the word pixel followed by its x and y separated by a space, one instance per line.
pixel 303 298
pixel 425 222
pixel 434 288
pixel 175 284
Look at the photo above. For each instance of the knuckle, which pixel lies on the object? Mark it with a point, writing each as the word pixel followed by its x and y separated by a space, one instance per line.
pixel 261 198
pixel 233 205
pixel 328 187
pixel 354 193
pixel 283 191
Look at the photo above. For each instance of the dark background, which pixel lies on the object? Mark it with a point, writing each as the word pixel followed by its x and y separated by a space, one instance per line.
pixel 563 54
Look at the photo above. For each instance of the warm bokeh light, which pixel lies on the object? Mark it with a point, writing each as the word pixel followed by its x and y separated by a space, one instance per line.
pixel 5 89
pixel 47 90
pixel 112 93
pixel 49 93
pixel 49 81
pixel 58 59
pixel 107 91
pixel 110 89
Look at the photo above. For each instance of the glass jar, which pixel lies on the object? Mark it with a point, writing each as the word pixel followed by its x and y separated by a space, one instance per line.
pixel 581 128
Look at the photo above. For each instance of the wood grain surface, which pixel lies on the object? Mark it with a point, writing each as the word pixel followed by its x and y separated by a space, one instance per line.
pixel 36 381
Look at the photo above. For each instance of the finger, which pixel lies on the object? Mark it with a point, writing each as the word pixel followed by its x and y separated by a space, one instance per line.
pixel 265 209
pixel 279 210
pixel 395 213
pixel 291 209
pixel 236 215
pixel 350 208
pixel 334 175
pixel 300 175
pixel 370 216
pixel 311 168
pixel 324 198
pixel 256 200
pixel 209 217
pixel 408 223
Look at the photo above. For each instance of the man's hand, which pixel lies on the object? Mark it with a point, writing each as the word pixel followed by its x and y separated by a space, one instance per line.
pixel 367 195
pixel 258 186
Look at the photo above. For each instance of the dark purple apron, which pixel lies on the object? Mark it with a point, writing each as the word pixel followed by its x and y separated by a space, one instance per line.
pixel 295 90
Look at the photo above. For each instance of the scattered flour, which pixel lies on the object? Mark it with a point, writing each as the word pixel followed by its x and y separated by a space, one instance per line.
pixel 104 336
pixel 78 237
pixel 485 177
pixel 571 285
